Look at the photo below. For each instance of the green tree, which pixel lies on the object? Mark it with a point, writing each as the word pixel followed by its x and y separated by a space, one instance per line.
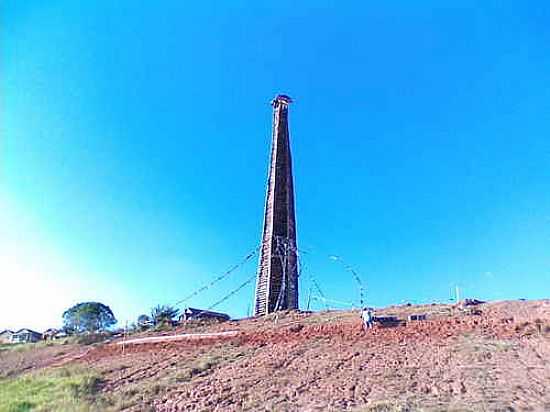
pixel 163 314
pixel 88 317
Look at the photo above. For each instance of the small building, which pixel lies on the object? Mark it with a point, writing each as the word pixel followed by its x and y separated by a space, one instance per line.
pixel 198 314
pixel 26 335
pixel 6 336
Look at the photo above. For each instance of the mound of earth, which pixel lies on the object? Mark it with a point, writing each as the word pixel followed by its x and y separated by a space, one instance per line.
pixel 489 356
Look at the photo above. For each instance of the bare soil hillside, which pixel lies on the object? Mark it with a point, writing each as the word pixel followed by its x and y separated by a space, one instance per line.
pixel 493 356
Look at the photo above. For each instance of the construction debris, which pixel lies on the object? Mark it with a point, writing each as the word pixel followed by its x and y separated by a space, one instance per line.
pixel 185 336
pixel 388 321
pixel 471 302
pixel 411 318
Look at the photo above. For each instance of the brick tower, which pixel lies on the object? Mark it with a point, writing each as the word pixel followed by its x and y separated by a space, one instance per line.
pixel 277 281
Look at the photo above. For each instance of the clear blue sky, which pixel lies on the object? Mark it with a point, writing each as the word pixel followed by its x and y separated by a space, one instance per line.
pixel 135 139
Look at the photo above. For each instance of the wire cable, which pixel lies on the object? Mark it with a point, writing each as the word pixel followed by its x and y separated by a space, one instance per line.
pixel 220 277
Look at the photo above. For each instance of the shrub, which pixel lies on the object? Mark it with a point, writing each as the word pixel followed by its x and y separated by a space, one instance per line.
pixel 163 314
pixel 91 338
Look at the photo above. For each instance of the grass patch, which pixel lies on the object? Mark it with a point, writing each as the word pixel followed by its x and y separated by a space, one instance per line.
pixel 91 338
pixel 24 347
pixel 476 344
pixel 389 406
pixel 199 368
pixel 138 395
pixel 68 389
pixel 4 347
pixel 206 362
pixel 163 327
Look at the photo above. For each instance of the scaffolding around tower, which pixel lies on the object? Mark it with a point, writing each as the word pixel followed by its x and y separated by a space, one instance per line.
pixel 277 278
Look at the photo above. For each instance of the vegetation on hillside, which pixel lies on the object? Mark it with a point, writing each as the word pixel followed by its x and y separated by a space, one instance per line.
pixel 163 314
pixel 494 358
pixel 67 389
pixel 88 317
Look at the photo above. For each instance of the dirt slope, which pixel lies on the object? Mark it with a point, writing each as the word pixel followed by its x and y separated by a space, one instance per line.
pixel 497 359
pixel 23 359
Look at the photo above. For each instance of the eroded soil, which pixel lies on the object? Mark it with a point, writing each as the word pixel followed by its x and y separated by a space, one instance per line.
pixel 492 357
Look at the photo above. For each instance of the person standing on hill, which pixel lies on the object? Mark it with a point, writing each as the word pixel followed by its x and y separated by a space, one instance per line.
pixel 368 318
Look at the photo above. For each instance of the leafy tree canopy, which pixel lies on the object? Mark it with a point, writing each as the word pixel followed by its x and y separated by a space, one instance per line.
pixel 163 313
pixel 88 317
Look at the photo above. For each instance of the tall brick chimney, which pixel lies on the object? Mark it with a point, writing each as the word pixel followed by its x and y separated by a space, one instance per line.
pixel 277 281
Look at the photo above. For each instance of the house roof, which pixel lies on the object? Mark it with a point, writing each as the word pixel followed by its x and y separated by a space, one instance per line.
pixel 27 330
pixel 7 331
pixel 195 311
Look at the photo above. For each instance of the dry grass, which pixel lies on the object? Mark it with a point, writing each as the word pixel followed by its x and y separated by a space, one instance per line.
pixel 24 347
pixel 389 406
pixel 139 394
pixel 321 361
pixel 73 389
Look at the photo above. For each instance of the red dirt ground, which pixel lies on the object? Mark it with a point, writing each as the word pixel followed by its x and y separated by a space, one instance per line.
pixel 456 360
